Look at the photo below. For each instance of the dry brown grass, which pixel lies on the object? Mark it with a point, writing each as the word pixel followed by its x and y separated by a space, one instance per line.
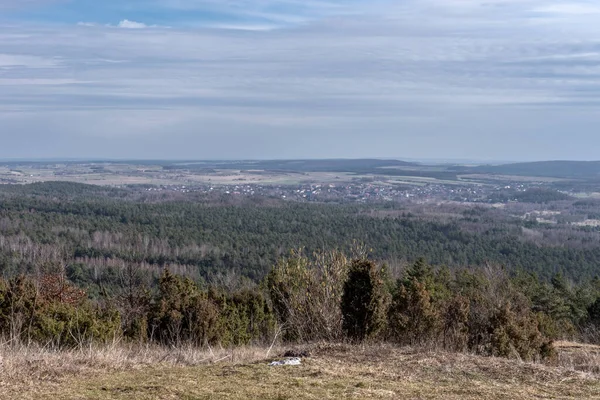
pixel 579 357
pixel 37 367
pixel 332 371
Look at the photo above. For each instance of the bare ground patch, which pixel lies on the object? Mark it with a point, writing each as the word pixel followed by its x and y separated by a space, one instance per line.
pixel 331 372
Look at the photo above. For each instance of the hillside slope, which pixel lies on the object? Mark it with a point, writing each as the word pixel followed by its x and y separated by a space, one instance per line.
pixel 332 372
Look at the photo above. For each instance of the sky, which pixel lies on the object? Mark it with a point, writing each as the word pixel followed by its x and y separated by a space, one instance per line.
pixel 511 80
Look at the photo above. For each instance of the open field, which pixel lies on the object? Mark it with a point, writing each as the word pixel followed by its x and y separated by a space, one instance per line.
pixel 332 372
pixel 119 174
pixel 513 178
pixel 287 174
pixel 293 172
pixel 125 174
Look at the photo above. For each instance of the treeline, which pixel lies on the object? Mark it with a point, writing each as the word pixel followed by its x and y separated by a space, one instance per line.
pixel 484 310
pixel 324 297
pixel 356 167
pixel 94 230
pixel 531 195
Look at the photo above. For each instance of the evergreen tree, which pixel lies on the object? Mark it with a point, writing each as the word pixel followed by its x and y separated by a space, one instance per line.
pixel 413 317
pixel 364 301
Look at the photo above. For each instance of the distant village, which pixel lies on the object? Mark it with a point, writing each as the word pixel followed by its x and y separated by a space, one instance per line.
pixel 360 192
pixel 299 187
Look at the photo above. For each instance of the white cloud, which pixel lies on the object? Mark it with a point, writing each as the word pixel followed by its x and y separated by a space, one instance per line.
pixel 127 24
pixel 244 27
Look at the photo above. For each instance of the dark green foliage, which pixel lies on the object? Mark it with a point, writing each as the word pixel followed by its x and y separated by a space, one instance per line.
pixel 501 319
pixel 116 250
pixel 483 311
pixel 63 325
pixel 478 311
pixel 182 313
pixel 413 318
pixel 245 317
pixel 420 271
pixel 364 301
pixel 420 299
pixel 83 227
pixel 563 307
pixel 594 312
pixel 287 284
pixel 29 313
pixel 515 333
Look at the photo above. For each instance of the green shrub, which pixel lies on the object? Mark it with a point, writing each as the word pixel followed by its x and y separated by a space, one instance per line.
pixel 413 318
pixel 183 314
pixel 515 333
pixel 364 301
pixel 62 318
pixel 455 319
pixel 63 325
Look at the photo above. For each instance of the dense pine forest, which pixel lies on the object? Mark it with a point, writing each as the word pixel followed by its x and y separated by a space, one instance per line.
pixel 90 230
pixel 83 263
pixel 93 231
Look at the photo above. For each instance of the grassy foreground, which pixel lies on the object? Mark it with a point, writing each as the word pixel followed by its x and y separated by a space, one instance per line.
pixel 332 372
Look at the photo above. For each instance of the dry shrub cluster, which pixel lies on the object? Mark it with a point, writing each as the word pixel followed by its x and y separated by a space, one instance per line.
pixel 326 297
pixel 182 313
pixel 477 311
pixel 306 293
pixel 480 311
pixel 53 312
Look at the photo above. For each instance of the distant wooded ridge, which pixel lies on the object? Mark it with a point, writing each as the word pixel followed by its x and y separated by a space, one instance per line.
pixel 580 170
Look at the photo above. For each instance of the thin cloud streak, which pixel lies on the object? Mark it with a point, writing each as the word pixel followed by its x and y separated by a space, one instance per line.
pixel 381 78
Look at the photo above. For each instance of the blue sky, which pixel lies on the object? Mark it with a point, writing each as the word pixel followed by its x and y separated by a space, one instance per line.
pixel 464 79
pixel 180 13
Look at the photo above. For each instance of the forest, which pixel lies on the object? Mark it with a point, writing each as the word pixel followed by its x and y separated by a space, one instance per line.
pixel 83 263
pixel 94 230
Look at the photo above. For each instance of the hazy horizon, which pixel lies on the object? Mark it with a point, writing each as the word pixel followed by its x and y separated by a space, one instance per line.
pixel 482 81
pixel 425 161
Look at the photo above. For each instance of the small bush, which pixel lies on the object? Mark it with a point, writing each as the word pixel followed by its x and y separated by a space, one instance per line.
pixel 183 314
pixel 515 333
pixel 364 301
pixel 456 323
pixel 57 314
pixel 306 294
pixel 245 317
pixel 413 318
pixel 63 325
